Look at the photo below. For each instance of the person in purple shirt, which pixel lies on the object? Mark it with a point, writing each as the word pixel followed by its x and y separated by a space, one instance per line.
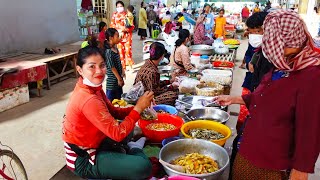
pixel 281 139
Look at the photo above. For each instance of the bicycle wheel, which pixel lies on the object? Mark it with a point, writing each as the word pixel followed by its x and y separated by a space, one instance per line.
pixel 11 166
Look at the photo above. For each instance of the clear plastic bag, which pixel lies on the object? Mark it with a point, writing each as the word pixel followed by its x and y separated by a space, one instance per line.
pixel 149 114
pixel 136 91
pixel 188 86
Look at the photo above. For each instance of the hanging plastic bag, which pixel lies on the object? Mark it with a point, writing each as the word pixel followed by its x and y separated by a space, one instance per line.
pixel 149 114
pixel 136 91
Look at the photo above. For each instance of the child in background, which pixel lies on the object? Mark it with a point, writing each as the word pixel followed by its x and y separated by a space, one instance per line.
pixel 102 37
pixel 220 23
pixel 115 72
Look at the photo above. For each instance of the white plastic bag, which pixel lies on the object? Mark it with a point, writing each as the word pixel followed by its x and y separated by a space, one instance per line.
pixel 136 91
pixel 149 114
pixel 188 86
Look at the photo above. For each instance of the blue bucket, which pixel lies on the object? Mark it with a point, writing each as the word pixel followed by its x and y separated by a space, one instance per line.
pixel 167 108
pixel 167 140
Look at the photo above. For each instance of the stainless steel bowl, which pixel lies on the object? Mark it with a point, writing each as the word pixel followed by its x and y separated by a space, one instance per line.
pixel 202 49
pixel 208 113
pixel 181 147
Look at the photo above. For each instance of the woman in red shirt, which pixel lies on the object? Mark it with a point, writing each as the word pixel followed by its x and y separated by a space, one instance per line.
pixel 282 132
pixel 95 142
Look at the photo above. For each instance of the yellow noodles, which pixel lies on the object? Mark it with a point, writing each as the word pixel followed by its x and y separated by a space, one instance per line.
pixel 196 163
pixel 161 126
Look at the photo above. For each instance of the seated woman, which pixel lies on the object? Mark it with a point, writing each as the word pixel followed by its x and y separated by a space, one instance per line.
pixel 199 32
pixel 150 77
pixel 95 142
pixel 181 57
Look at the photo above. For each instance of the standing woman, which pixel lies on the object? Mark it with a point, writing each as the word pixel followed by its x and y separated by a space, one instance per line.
pixel 118 21
pixel 102 37
pixel 142 22
pixel 282 134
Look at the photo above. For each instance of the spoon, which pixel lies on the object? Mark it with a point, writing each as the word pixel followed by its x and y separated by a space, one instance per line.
pixel 186 115
pixel 174 167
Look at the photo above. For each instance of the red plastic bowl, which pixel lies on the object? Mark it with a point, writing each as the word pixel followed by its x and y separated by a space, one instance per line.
pixel 158 136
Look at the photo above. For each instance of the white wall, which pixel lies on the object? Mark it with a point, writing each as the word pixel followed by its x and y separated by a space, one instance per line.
pixel 31 24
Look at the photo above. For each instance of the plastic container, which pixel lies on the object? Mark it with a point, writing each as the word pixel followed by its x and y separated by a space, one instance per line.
pixel 158 136
pixel 167 140
pixel 167 108
pixel 205 124
pixel 204 59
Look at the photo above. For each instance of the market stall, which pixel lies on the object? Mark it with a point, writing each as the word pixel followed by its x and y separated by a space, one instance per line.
pixel 196 122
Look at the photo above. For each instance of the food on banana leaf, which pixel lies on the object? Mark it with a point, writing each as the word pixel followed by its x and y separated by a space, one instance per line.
pixel 195 163
pixel 207 134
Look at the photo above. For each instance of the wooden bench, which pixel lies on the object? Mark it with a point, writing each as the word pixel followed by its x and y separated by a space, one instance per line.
pixel 59 65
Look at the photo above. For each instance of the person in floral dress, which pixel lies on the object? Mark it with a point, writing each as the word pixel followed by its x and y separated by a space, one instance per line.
pixel 118 21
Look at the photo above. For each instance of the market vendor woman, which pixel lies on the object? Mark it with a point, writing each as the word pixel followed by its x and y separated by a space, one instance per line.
pixel 281 138
pixel 149 76
pixel 181 56
pixel 95 142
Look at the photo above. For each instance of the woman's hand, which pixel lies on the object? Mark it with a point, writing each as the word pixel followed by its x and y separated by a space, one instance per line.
pixel 144 101
pixel 120 82
pixel 226 100
pixel 298 175
pixel 223 100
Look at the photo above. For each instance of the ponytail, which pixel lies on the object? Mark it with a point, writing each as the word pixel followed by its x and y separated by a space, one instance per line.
pixel 183 35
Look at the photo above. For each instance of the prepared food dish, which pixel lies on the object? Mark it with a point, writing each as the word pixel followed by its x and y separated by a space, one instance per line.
pixel 231 42
pixel 161 127
pixel 207 134
pixel 195 163
pixel 162 111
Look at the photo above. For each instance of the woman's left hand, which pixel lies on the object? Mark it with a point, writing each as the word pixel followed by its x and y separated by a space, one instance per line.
pixel 298 175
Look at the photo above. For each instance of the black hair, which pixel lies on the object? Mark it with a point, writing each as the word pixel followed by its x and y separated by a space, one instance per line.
pixel 183 35
pixel 222 11
pixel 101 25
pixel 157 50
pixel 119 2
pixel 130 8
pixel 92 40
pixel 142 4
pixel 110 32
pixel 86 52
pixel 168 12
pixel 315 9
pixel 256 20
pixel 184 10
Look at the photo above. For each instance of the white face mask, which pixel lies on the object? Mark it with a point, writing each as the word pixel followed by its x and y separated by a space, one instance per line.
pixel 120 9
pixel 89 83
pixel 255 40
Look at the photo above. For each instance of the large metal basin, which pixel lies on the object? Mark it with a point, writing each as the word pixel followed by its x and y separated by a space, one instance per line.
pixel 202 49
pixel 181 147
pixel 208 113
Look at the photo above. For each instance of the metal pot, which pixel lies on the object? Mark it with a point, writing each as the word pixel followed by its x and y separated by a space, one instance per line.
pixel 208 113
pixel 202 49
pixel 182 147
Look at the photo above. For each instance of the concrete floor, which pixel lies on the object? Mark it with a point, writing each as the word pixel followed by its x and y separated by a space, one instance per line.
pixel 33 130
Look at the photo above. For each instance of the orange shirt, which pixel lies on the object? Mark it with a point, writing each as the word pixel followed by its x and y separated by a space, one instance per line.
pixel 220 22
pixel 90 118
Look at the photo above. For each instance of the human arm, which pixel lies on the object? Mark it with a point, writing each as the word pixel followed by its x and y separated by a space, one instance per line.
pixel 185 57
pixel 119 78
pixel 306 126
pixel 99 115
pixel 225 100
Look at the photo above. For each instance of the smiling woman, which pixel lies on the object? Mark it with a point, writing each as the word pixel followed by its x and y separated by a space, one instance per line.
pixel 91 132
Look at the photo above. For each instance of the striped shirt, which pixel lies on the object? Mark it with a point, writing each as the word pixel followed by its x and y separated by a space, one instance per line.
pixel 112 61
pixel 71 156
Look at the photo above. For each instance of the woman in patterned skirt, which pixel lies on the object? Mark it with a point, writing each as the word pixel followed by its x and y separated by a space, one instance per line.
pixel 149 76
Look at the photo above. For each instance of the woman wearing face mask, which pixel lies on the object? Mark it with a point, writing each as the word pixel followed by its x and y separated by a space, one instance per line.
pixel 278 141
pixel 255 31
pixel 181 56
pixel 118 21
pixel 150 77
pixel 96 144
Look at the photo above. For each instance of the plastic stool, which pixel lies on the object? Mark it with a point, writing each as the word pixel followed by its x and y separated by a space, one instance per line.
pixel 155 34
